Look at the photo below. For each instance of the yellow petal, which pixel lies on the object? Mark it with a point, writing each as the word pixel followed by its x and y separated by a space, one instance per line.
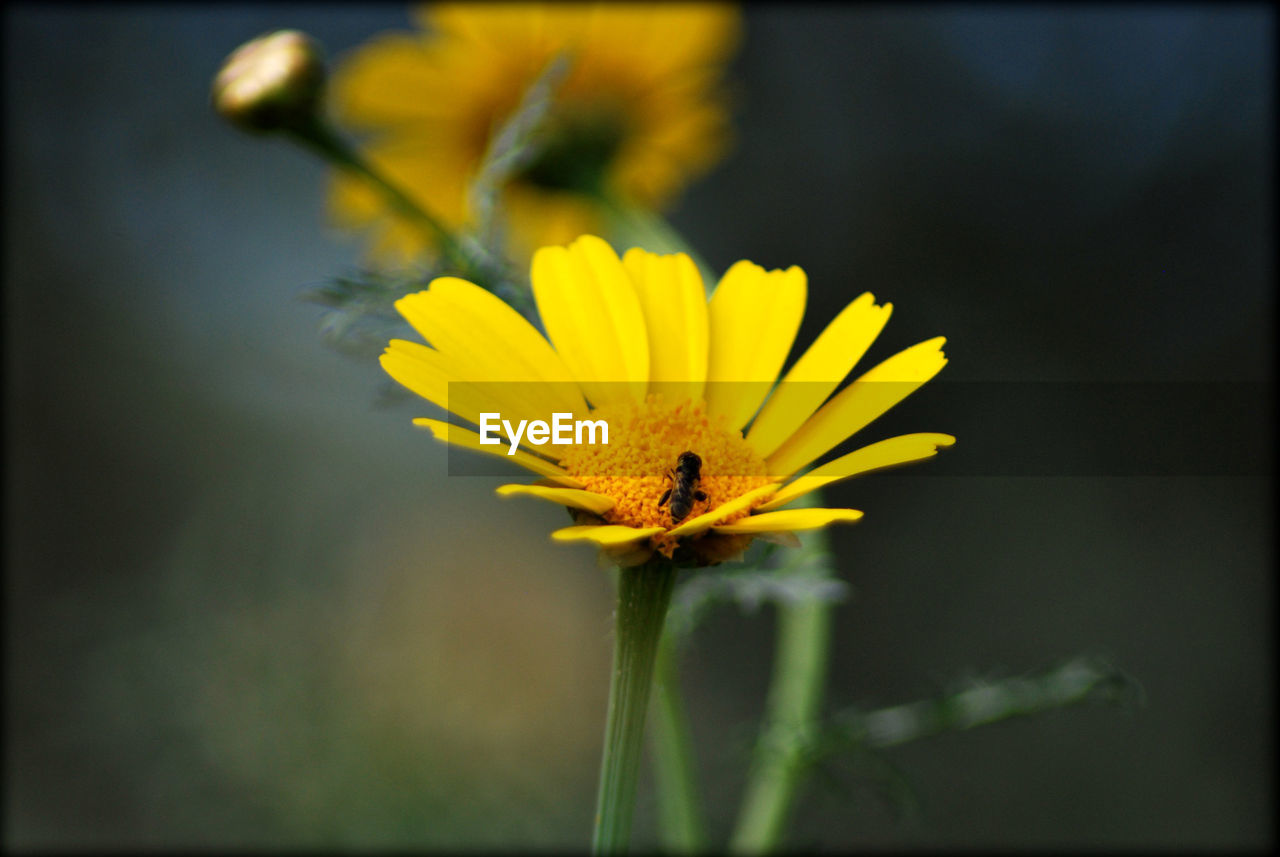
pixel 437 378
pixel 790 520
pixel 369 88
pixel 542 217
pixel 494 26
pixel 674 303
pixel 753 318
pixel 488 340
pixel 903 449
pixel 468 439
pixel 818 372
pixel 593 317
pixel 572 497
pixel 605 535
pixel 708 519
pixel 858 404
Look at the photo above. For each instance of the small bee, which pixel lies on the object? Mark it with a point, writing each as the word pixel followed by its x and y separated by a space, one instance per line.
pixel 683 492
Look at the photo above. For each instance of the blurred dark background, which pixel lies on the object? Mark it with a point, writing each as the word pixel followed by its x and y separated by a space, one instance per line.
pixel 245 609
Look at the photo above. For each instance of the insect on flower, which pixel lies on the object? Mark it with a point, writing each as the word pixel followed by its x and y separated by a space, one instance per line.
pixel 683 492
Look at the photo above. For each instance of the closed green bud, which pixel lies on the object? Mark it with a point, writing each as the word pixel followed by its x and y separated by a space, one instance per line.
pixel 272 83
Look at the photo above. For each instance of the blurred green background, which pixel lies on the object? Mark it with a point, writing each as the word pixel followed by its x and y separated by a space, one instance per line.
pixel 246 608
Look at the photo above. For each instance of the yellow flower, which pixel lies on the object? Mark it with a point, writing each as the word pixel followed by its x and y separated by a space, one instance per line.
pixel 635 342
pixel 638 114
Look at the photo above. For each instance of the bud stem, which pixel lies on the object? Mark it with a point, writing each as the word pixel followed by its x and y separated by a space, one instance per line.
pixel 470 257
pixel 643 595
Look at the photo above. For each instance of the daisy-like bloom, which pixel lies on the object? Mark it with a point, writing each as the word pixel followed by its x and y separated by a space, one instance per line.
pixel 638 114
pixel 635 342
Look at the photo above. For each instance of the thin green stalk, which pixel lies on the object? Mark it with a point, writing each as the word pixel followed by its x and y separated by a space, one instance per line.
pixel 472 259
pixel 643 595
pixel 681 825
pixel 795 696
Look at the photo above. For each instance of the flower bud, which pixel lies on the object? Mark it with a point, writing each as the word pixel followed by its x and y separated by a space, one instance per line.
pixel 271 83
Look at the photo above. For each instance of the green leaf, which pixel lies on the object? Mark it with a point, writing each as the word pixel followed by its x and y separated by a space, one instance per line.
pixel 803 577
pixel 360 315
pixel 1080 680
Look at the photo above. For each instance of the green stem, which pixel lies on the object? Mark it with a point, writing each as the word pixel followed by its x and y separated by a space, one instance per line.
pixel 680 819
pixel 469 256
pixel 795 696
pixel 643 595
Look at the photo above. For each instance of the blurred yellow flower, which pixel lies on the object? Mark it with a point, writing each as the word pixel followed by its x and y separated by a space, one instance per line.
pixel 635 342
pixel 638 114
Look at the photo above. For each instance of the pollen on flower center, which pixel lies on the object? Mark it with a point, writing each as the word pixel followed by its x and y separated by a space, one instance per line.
pixel 644 442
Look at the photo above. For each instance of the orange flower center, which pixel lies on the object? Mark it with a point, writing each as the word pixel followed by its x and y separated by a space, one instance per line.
pixel 637 467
